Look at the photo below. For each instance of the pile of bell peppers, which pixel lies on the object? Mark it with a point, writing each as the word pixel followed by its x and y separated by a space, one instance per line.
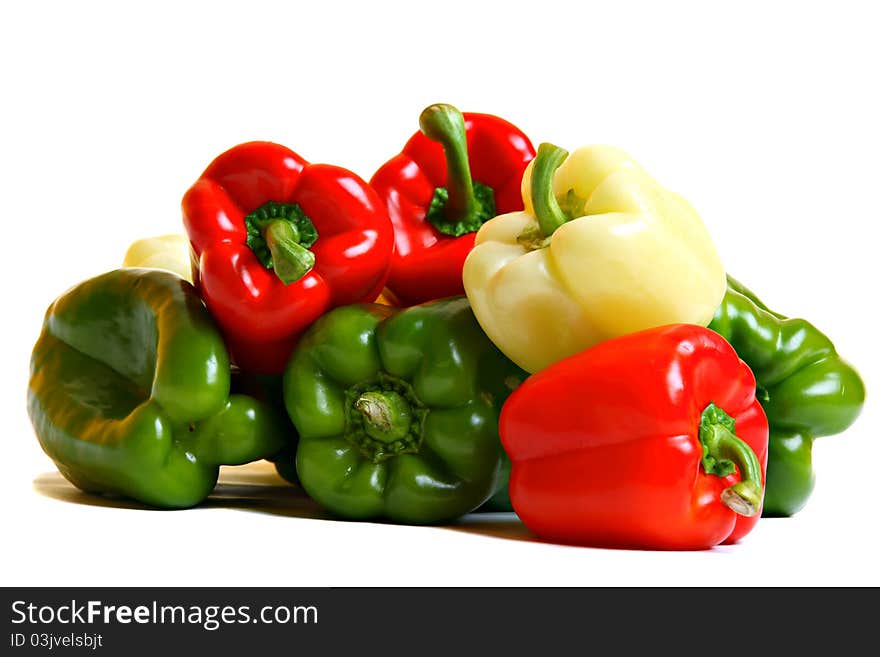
pixel 480 326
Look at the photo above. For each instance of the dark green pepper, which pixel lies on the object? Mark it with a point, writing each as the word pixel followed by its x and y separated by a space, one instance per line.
pixel 805 388
pixel 500 501
pixel 129 391
pixel 397 411
pixel 268 388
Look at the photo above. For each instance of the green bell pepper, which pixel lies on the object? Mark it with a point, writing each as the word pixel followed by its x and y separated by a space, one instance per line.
pixel 267 388
pixel 805 388
pixel 500 501
pixel 129 391
pixel 397 411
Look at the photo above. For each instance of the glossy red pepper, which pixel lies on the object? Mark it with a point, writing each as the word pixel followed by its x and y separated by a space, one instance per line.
pixel 652 440
pixel 277 242
pixel 434 203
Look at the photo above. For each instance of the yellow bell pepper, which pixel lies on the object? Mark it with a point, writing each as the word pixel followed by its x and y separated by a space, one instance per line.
pixel 168 252
pixel 601 250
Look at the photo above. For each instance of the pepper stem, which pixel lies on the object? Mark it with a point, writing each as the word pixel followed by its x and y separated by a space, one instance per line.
pixel 547 211
pixel 464 204
pixel 279 234
pixel 290 259
pixel 387 415
pixel 722 450
pixel 384 418
pixel 445 124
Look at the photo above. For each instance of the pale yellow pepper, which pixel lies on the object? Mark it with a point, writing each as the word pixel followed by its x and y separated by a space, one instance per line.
pixel 601 250
pixel 169 252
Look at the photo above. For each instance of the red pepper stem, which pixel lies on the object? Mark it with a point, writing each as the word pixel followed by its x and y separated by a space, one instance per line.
pixel 745 496
pixel 547 211
pixel 445 124
pixel 290 259
pixel 387 415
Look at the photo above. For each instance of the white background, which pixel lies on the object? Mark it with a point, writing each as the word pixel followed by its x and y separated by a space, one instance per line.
pixel 764 114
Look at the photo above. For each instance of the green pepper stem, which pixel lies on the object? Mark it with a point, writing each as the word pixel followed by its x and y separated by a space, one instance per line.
pixel 387 414
pixel 722 444
pixel 290 259
pixel 445 124
pixel 547 211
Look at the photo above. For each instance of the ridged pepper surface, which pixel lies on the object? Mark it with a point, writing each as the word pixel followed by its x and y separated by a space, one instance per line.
pixel 652 440
pixel 279 241
pixel 805 387
pixel 455 174
pixel 397 411
pixel 129 391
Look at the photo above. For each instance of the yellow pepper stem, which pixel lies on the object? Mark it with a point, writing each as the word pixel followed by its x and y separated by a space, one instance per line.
pixel 547 211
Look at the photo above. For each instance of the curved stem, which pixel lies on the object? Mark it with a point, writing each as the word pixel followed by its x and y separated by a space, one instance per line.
pixel 280 234
pixel 722 450
pixel 445 124
pixel 290 259
pixel 547 211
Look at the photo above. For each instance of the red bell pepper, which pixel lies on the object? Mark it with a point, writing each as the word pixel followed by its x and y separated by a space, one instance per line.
pixel 651 440
pixel 435 205
pixel 277 242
